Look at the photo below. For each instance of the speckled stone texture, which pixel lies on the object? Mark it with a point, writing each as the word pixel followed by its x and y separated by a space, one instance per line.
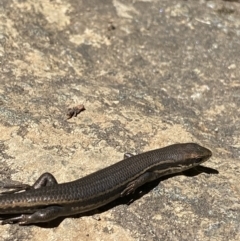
pixel 150 73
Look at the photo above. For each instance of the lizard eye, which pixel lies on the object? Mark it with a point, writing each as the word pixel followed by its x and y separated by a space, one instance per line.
pixel 197 160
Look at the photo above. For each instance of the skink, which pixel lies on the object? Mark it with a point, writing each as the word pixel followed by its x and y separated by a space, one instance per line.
pixel 46 199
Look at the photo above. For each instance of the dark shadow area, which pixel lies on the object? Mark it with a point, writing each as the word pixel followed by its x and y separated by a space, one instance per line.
pixel 146 188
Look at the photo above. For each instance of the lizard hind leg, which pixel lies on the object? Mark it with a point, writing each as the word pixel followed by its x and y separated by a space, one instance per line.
pixel 46 179
pixel 40 216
